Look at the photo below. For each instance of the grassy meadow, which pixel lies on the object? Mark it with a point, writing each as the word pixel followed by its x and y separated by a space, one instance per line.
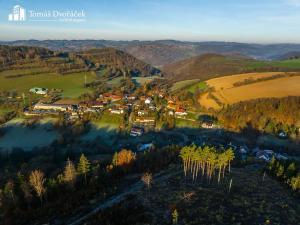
pixel 71 84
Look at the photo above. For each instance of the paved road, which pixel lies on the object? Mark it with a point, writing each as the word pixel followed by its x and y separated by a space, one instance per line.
pixel 119 197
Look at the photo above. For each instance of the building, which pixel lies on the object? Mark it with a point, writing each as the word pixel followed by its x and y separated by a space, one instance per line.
pixel 116 111
pixel 55 107
pixel 180 112
pixel 110 97
pixel 145 120
pixel 39 91
pixel 136 132
pixel 142 113
pixel 208 125
pixel 148 100
pixel 145 147
pixel 97 104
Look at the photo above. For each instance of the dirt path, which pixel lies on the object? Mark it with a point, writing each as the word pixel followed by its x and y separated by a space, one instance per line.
pixel 119 197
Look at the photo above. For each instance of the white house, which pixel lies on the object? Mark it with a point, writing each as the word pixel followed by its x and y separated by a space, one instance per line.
pixel 148 100
pixel 39 91
pixel 135 132
pixel 116 111
pixel 145 147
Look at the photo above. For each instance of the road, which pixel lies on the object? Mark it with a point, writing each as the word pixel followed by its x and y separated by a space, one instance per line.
pixel 120 197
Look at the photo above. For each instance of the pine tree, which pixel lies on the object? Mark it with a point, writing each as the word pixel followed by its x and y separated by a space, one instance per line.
pixel 175 217
pixel 83 166
pixel 70 173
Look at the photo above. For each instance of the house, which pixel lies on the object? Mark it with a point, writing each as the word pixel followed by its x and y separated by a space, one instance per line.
pixel 149 120
pixel 263 156
pixel 145 147
pixel 55 107
pixel 282 134
pixel 148 100
pixel 171 104
pixel 110 97
pixel 39 91
pixel 281 156
pixel 243 149
pixel 136 132
pixel 97 104
pixel 152 107
pixel 171 113
pixel 180 112
pixel 142 112
pixel 130 97
pixel 116 111
pixel 208 125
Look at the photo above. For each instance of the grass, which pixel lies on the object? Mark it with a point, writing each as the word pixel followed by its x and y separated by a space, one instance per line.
pixel 143 80
pixel 71 84
pixel 182 123
pixel 200 86
pixel 4 111
pixel 182 84
pixel 105 129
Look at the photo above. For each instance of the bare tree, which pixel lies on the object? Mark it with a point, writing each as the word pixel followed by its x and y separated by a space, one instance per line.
pixel 37 180
pixel 147 179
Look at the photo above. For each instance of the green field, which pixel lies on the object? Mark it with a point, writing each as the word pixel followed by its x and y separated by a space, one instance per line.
pixel 200 86
pixel 182 84
pixel 4 111
pixel 189 85
pixel 284 64
pixel 71 84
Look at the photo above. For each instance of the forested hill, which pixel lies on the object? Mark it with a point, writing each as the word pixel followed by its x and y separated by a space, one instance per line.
pixel 118 62
pixel 270 115
pixel 209 66
pixel 14 53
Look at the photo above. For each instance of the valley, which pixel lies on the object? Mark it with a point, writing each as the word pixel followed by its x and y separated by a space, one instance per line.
pixel 104 132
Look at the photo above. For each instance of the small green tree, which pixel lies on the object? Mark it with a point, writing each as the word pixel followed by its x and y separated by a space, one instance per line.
pixel 83 166
pixel 295 182
pixel 175 216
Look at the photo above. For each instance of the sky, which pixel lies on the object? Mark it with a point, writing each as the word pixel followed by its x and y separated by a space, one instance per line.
pixel 252 21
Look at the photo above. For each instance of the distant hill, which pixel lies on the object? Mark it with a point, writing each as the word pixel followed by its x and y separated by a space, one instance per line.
pixel 209 66
pixel 162 52
pixel 13 53
pixel 289 55
pixel 118 63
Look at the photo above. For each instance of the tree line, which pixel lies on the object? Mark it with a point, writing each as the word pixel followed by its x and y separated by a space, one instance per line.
pixel 270 115
pixel 286 172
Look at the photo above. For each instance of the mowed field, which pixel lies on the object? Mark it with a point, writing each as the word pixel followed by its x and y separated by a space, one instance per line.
pixel 226 93
pixel 71 84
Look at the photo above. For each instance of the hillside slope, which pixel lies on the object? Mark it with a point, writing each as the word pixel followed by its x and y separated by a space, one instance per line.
pixel 212 65
pixel 118 63
pixel 229 90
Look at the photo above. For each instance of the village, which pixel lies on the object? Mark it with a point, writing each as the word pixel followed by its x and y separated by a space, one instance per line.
pixel 142 114
pixel 142 111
